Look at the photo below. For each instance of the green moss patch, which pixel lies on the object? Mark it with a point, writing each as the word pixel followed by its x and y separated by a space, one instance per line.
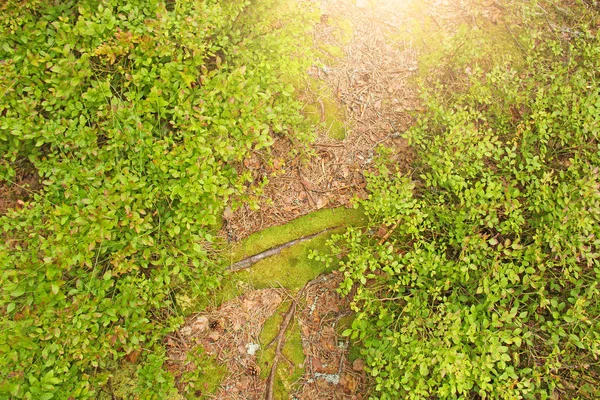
pixel 300 227
pixel 327 113
pixel 290 367
pixel 204 381
pixel 321 108
pixel 290 269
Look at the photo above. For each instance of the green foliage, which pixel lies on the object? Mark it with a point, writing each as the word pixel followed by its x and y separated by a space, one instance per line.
pixel 136 116
pixel 290 368
pixel 487 284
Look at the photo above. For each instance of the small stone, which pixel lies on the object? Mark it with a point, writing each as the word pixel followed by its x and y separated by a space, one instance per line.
pixel 252 348
pixel 333 379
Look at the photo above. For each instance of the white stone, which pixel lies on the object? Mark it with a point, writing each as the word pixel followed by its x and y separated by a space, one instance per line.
pixel 252 348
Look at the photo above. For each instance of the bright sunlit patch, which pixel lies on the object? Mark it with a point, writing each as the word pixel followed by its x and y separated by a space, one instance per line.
pixel 382 3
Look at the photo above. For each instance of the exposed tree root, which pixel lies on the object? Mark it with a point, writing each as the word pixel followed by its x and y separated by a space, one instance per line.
pixel 248 262
pixel 389 233
pixel 279 339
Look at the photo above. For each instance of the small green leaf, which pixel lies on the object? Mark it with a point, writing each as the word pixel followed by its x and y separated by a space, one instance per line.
pixel 55 288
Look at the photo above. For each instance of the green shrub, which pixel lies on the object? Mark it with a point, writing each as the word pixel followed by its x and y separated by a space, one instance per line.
pixel 487 284
pixel 136 115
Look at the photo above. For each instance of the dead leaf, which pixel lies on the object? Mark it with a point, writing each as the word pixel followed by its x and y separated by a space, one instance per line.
pixel 317 365
pixel 322 384
pixel 350 383
pixel 382 231
pixel 316 316
pixel 249 304
pixel 214 336
pixel 358 364
pixel 322 202
pixel 307 184
pixel 305 331
pixel 251 162
pixel 227 213
pixel 201 324
pixel 133 356
pixel 238 324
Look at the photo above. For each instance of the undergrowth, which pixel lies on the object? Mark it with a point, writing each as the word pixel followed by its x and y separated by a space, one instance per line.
pixel 479 275
pixel 137 116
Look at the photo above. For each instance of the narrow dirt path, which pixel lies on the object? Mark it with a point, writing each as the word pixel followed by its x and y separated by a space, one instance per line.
pixel 231 335
pixel 370 83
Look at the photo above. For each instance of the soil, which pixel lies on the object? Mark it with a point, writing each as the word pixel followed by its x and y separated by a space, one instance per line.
pixel 329 373
pixel 370 83
pixel 230 334
pixel 14 195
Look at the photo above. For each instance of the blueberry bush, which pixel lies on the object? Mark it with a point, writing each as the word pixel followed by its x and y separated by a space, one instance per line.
pixel 478 276
pixel 136 116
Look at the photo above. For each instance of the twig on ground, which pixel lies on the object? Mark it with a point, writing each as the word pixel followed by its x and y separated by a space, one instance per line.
pixel 388 234
pixel 248 262
pixel 289 315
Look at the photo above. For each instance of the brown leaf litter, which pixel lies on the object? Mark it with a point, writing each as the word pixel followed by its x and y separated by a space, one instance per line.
pixel 370 83
pixel 230 333
pixel 329 374
pixel 15 194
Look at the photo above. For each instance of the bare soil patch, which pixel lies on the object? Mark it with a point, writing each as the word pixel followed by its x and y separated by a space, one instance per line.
pixel 14 195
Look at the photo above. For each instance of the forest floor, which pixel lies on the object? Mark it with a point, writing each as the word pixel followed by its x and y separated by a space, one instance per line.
pixel 361 79
pixel 361 86
pixel 273 330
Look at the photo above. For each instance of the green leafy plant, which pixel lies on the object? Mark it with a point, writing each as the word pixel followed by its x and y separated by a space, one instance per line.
pixel 136 116
pixel 479 277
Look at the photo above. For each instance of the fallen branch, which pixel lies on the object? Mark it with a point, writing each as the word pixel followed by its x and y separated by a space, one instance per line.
pixel 248 262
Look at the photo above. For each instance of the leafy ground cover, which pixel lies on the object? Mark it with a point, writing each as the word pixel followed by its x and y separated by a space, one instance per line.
pixel 479 275
pixel 137 117
pixel 128 128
